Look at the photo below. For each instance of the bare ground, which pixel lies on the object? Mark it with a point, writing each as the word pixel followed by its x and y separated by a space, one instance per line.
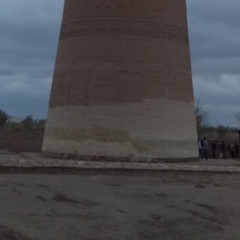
pixel 62 204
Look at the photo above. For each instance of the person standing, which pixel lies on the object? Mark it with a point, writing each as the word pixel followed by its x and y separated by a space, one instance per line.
pixel 224 150
pixel 232 150
pixel 236 150
pixel 214 147
pixel 220 150
pixel 205 149
pixel 200 148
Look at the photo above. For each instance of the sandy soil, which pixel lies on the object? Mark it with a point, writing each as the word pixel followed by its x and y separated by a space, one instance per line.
pixel 132 205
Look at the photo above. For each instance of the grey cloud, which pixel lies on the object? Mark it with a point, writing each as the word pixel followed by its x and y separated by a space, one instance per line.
pixel 214 38
pixel 213 30
pixel 29 34
pixel 212 68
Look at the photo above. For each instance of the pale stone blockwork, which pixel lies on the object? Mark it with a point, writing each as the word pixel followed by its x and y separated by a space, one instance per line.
pixel 122 84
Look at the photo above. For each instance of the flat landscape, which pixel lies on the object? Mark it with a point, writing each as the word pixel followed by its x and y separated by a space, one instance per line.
pixel 106 205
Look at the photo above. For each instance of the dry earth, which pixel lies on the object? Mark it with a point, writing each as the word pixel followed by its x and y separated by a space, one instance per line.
pixel 119 205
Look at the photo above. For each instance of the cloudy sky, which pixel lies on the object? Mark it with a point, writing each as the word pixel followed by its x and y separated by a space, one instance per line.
pixel 29 31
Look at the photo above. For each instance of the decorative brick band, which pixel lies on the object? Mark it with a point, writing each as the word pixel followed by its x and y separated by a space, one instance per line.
pixel 140 28
pixel 73 87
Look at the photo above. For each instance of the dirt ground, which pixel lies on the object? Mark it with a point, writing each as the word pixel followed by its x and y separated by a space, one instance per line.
pixel 63 204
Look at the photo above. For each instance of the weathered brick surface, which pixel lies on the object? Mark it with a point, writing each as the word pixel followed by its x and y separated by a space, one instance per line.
pixel 122 81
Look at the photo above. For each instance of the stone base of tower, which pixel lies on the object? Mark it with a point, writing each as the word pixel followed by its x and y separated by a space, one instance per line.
pixel 153 129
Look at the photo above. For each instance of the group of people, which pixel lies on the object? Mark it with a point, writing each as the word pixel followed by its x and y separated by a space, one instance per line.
pixel 232 149
pixel 218 150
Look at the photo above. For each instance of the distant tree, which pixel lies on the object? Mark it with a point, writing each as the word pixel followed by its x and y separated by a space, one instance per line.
pixel 3 118
pixel 40 125
pixel 27 123
pixel 237 116
pixel 201 117
pixel 222 131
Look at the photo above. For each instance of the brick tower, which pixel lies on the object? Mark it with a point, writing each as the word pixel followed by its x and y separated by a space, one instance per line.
pixel 122 86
